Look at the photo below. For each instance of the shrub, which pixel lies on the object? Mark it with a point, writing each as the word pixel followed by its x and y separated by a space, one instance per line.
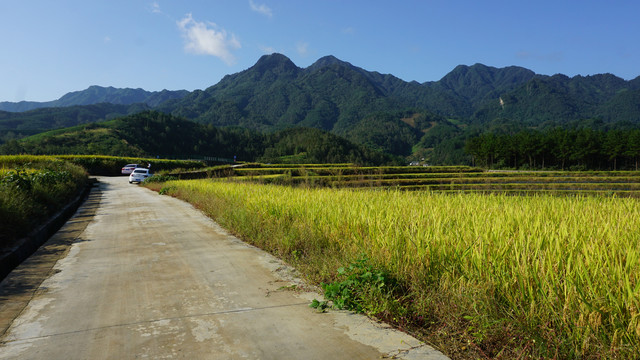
pixel 32 192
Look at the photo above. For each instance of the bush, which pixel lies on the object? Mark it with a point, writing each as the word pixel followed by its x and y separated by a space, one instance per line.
pixel 31 193
pixel 159 179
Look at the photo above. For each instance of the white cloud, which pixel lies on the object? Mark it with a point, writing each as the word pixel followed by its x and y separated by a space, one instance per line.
pixel 349 30
pixel 261 8
pixel 107 39
pixel 206 39
pixel 267 49
pixel 302 48
pixel 155 8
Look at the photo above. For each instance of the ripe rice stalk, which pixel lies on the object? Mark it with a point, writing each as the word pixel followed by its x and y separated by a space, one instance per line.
pixel 564 270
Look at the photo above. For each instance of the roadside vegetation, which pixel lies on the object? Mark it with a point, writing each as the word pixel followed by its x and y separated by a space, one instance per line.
pixel 112 165
pixel 102 164
pixel 476 275
pixel 32 190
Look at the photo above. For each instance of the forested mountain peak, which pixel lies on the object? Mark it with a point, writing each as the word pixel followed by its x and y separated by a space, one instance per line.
pixel 96 94
pixel 328 60
pixel 268 69
pixel 559 99
pixel 275 63
pixel 480 73
pixel 607 84
pixel 479 83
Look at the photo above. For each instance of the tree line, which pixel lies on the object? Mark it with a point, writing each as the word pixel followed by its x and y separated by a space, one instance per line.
pixel 558 148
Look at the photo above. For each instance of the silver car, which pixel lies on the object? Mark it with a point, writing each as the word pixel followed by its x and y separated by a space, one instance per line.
pixel 138 175
pixel 127 169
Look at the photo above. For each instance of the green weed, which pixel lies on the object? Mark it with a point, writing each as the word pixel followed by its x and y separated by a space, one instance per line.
pixel 359 281
pixel 159 179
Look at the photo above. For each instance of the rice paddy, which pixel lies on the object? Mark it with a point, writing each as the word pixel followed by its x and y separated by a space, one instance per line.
pixel 510 276
pixel 450 179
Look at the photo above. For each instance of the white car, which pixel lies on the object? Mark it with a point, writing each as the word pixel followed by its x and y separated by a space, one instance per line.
pixel 127 169
pixel 138 175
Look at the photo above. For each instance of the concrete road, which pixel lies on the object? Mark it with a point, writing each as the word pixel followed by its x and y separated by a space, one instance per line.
pixel 139 275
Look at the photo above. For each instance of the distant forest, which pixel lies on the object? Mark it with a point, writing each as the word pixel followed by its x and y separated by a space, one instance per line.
pixel 558 148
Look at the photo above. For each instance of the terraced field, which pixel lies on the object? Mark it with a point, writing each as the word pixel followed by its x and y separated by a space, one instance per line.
pixel 499 276
pixel 447 179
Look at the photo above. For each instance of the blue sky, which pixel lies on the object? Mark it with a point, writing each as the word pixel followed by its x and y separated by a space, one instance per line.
pixel 49 48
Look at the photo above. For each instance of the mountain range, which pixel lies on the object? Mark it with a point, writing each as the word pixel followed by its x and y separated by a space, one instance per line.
pixel 98 94
pixel 379 110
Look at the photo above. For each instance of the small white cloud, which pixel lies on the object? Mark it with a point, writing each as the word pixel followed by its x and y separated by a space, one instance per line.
pixel 267 49
pixel 107 39
pixel 260 8
pixel 349 30
pixel 155 8
pixel 302 48
pixel 206 39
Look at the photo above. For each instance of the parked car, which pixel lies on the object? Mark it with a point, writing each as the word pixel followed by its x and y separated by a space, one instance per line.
pixel 128 169
pixel 138 175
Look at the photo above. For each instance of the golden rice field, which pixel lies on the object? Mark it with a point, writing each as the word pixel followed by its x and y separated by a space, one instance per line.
pixel 538 276
pixel 448 179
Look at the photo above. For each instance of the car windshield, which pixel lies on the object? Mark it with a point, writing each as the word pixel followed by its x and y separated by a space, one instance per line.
pixel 140 171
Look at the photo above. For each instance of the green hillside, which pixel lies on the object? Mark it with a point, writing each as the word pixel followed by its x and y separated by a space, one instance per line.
pixel 16 125
pixel 155 134
pixel 561 99
pixel 479 84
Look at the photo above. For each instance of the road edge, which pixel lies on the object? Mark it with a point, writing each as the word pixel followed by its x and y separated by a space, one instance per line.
pixel 26 246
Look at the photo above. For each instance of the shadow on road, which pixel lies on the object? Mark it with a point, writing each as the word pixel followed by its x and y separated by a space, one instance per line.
pixel 24 281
